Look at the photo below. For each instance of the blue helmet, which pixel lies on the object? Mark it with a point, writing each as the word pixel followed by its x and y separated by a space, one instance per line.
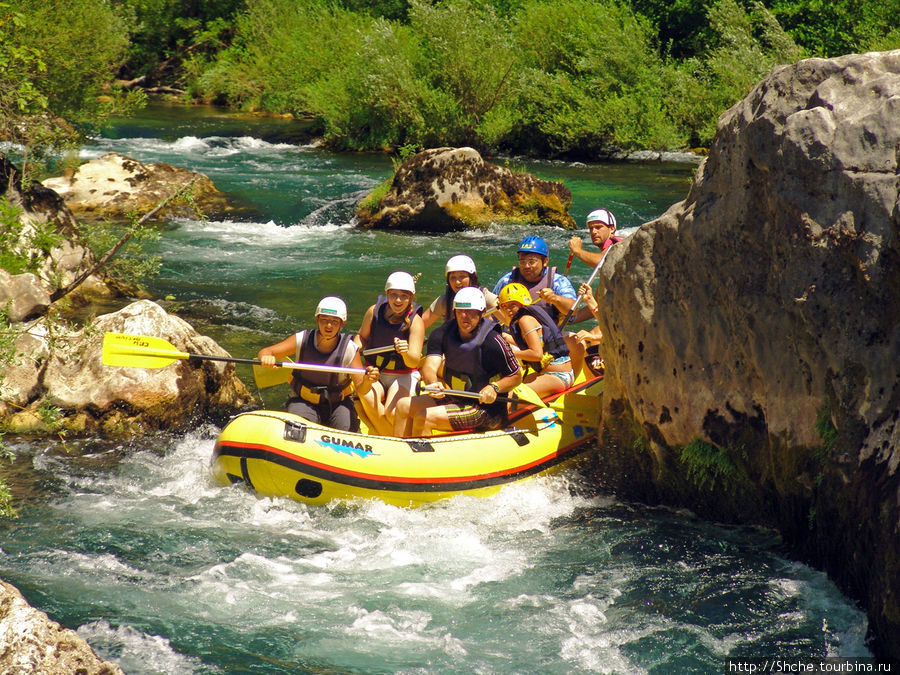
pixel 533 244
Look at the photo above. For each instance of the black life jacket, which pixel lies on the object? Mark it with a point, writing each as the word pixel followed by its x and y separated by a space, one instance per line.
pixel 312 385
pixel 382 333
pixel 546 281
pixel 554 342
pixel 462 359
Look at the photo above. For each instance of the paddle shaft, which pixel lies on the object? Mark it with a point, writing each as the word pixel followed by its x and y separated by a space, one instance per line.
pixel 283 364
pixel 474 394
pixel 378 350
pixel 588 282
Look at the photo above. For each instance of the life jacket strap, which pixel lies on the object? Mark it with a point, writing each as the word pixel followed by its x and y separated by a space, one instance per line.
pixel 315 395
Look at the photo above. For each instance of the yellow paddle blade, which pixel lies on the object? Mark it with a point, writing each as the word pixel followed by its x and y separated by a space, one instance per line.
pixel 270 377
pixel 529 395
pixel 139 351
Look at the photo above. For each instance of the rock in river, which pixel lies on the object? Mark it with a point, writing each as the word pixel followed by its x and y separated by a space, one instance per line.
pixel 752 332
pixel 447 189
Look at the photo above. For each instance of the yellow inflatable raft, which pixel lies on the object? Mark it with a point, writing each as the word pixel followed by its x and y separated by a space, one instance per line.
pixel 278 454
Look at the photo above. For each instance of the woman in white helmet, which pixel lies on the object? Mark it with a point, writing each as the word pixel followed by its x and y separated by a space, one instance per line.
pixel 460 271
pixel 393 321
pixel 468 353
pixel 321 396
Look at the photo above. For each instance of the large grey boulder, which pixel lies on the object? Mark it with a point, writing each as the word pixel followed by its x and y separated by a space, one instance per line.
pixel 23 296
pixel 446 189
pixel 114 186
pixel 752 332
pixel 30 642
pixel 69 375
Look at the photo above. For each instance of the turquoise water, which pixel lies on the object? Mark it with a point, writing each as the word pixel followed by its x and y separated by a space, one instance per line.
pixel 163 571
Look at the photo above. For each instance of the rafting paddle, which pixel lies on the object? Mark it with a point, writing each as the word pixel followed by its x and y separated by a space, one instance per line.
pixel 145 351
pixel 525 395
pixel 588 282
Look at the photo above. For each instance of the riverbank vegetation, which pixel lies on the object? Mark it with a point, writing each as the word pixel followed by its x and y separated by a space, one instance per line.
pixel 572 78
pixel 537 77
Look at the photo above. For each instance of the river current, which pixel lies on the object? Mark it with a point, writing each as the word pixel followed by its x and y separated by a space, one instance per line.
pixel 163 571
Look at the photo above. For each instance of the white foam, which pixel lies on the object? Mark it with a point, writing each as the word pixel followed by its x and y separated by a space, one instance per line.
pixel 137 652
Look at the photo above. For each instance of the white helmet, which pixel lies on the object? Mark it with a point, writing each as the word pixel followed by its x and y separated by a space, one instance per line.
pixel 460 263
pixel 604 216
pixel 400 281
pixel 332 306
pixel 469 297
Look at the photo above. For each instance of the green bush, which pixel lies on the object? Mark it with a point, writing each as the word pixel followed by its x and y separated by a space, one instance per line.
pixel 592 80
pixel 163 32
pixel 557 77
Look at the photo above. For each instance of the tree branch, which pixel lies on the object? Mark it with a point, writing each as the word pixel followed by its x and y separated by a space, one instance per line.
pixel 62 292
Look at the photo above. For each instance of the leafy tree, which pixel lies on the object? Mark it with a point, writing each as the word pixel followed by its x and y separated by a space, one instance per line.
pixel 592 81
pixel 168 33
pixel 681 27
pixel 56 62
pixel 835 27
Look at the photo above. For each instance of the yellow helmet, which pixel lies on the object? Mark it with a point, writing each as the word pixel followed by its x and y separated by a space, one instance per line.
pixel 515 293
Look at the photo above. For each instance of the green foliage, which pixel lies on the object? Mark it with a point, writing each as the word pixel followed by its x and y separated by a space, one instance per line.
pixel 132 265
pixel 835 27
pixel 828 433
pixel 23 249
pixel 7 356
pixel 165 32
pixel 680 25
pixel 372 201
pixel 592 81
pixel 557 77
pixel 825 427
pixel 50 415
pixel 20 100
pixel 6 507
pixel 708 466
pixel 466 58
pixel 56 62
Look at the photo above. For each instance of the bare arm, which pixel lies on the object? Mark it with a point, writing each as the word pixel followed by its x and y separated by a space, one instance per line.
pixel 365 328
pixel 411 349
pixel 561 303
pixel 269 355
pixel 363 382
pixel 591 258
pixel 532 332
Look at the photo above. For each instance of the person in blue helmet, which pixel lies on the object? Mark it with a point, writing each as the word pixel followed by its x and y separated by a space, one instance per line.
pixel 551 291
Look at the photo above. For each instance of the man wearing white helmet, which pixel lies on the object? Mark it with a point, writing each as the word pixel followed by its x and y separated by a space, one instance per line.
pixel 324 397
pixel 474 357
pixel 393 321
pixel 601 225
pixel 460 273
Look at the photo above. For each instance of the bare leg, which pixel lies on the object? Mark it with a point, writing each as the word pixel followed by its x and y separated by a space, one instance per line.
pixel 394 394
pixel 576 351
pixel 408 409
pixel 434 418
pixel 373 406
pixel 546 384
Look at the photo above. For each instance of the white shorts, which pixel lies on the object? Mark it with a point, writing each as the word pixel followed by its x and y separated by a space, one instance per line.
pixel 405 380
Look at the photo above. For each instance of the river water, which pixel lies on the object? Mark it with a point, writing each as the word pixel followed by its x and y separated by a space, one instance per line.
pixel 163 571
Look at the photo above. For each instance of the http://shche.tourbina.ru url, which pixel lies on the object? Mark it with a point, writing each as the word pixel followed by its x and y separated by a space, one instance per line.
pixel 807 665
